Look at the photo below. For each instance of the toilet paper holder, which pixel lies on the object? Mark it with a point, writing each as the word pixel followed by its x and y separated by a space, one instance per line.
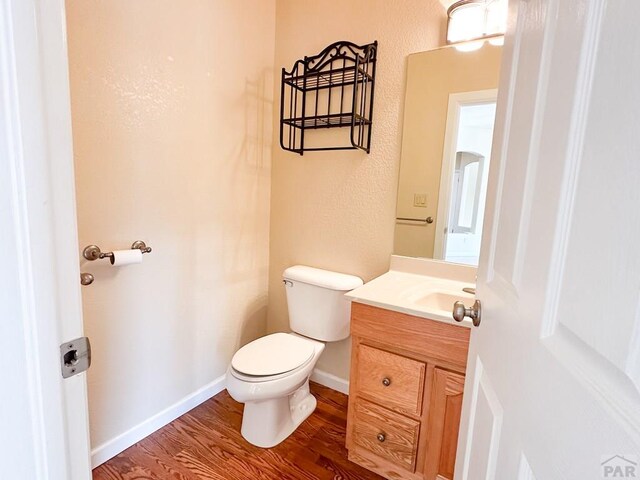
pixel 93 252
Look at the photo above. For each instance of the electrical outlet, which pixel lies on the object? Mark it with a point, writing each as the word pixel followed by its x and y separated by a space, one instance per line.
pixel 419 199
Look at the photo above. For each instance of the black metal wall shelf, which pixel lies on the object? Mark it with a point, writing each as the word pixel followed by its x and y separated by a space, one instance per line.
pixel 330 90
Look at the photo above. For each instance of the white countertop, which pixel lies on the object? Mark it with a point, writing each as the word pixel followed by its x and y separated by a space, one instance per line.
pixel 418 294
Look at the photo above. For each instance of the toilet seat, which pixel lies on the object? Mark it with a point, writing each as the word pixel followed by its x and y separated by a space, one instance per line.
pixel 259 379
pixel 272 355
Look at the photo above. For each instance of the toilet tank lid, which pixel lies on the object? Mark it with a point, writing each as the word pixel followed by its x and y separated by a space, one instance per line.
pixel 322 278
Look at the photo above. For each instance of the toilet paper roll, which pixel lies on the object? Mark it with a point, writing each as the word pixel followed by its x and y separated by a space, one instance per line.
pixel 126 257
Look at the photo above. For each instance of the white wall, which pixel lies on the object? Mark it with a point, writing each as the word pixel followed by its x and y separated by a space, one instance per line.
pixel 336 210
pixel 172 110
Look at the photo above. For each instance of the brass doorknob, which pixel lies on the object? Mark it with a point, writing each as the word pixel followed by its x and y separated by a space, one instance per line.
pixel 474 313
pixel 86 278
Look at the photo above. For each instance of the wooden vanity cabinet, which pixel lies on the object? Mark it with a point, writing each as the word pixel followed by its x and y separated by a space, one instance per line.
pixel 405 393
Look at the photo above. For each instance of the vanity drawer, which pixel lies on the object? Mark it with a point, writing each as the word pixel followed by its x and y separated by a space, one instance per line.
pixel 386 434
pixel 438 341
pixel 392 380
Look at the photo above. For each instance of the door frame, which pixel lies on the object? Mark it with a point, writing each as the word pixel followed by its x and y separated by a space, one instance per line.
pixel 456 102
pixel 41 302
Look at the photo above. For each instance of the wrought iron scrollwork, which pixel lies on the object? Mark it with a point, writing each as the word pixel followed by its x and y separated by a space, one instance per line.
pixel 331 89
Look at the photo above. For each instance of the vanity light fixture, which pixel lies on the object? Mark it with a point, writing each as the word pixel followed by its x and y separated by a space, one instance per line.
pixel 472 22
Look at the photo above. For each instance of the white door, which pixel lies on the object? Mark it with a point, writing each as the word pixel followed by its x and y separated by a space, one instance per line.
pixel 554 368
pixel 43 417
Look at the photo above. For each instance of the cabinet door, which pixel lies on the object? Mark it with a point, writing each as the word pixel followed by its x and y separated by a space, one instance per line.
pixel 444 423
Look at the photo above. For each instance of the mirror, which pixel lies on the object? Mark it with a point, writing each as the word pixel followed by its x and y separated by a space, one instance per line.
pixel 449 112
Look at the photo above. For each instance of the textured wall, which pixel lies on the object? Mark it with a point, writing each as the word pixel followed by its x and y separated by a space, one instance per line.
pixel 336 210
pixel 171 105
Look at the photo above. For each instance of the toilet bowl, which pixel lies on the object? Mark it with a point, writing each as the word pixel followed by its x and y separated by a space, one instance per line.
pixel 271 374
pixel 276 403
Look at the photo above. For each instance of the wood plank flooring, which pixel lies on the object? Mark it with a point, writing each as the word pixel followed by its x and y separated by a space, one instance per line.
pixel 205 443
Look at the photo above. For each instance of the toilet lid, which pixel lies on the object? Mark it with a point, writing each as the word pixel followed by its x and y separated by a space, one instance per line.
pixel 271 355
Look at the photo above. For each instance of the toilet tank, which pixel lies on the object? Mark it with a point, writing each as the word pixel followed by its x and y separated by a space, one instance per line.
pixel 317 306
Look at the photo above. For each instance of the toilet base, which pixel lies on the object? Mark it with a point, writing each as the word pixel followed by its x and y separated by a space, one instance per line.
pixel 268 422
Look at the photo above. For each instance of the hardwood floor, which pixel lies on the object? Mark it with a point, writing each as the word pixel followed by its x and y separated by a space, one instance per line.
pixel 205 443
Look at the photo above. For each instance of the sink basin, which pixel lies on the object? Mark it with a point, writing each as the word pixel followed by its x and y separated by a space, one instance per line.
pixel 441 301
pixel 415 294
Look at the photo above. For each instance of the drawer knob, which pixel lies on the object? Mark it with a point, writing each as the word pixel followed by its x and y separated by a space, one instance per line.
pixel 381 438
pixel 386 381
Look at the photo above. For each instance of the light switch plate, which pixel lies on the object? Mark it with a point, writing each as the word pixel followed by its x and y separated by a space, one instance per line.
pixel 419 199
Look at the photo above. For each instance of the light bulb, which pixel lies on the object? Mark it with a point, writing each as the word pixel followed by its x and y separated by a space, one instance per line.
pixel 469 20
pixel 466 22
pixel 469 46
pixel 496 17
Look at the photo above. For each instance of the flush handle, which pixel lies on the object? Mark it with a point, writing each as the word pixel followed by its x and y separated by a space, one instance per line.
pixel 474 313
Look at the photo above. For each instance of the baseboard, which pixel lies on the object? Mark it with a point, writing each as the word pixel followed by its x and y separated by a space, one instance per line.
pixel 111 448
pixel 331 381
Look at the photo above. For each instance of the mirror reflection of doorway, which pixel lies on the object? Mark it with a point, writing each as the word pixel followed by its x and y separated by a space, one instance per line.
pixel 466 172
pixel 439 83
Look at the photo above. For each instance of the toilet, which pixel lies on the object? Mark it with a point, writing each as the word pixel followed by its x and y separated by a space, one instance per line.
pixel 271 374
